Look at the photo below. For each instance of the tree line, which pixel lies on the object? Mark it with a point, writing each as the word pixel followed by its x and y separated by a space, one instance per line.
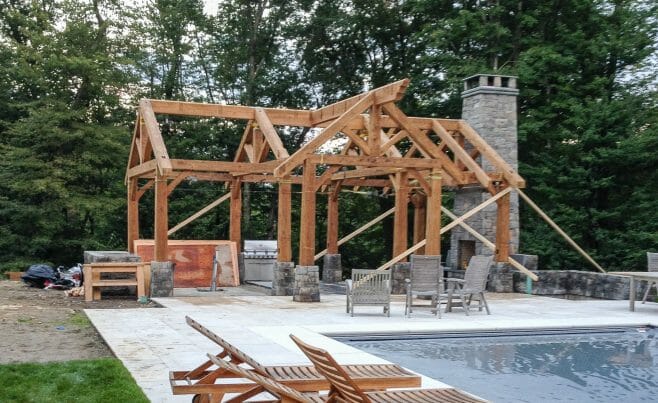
pixel 71 72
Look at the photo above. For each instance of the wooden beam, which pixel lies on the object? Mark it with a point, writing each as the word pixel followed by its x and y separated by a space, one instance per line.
pixel 388 93
pixel 502 229
pixel 559 230
pixel 241 153
pixel 277 116
pixel 369 161
pixel 307 220
pixel 421 180
pixel 491 155
pixel 155 137
pixel 364 173
pixel 433 225
pixel 356 139
pixel 177 181
pixel 300 155
pixel 283 226
pixel 425 145
pixel 358 231
pixel 134 158
pixel 462 155
pixel 394 140
pixel 133 214
pixel 400 220
pixel 161 219
pixel 141 169
pixel 143 189
pixel 223 166
pixel 420 218
pixel 374 130
pixel 199 213
pixel 332 221
pixel 235 219
pixel 271 135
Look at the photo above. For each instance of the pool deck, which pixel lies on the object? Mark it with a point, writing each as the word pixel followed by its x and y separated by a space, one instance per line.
pixel 152 342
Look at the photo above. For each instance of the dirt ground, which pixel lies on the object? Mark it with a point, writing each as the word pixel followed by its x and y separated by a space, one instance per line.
pixel 45 325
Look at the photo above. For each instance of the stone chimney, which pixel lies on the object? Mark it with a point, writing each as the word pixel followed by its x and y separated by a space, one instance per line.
pixel 489 106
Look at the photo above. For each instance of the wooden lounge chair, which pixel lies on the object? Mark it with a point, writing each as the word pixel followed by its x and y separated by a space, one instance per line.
pixel 344 389
pixel 472 286
pixel 304 378
pixel 369 287
pixel 652 265
pixel 425 280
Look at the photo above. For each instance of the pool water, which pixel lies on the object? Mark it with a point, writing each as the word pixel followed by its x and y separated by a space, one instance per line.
pixel 586 365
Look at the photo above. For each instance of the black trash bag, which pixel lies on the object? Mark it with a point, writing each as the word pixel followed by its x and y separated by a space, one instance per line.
pixel 39 275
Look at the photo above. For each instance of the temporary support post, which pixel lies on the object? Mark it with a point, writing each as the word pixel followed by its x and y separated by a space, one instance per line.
pixel 502 229
pixel 236 213
pixel 332 221
pixel 199 214
pixel 133 214
pixel 358 231
pixel 283 226
pixel 161 218
pixel 559 230
pixel 307 230
pixel 420 217
pixel 433 228
pixel 400 219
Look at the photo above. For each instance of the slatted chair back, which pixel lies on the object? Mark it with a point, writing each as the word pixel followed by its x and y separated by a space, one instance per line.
pixel 236 355
pixel 477 273
pixel 652 261
pixel 341 383
pixel 371 286
pixel 426 273
pixel 282 392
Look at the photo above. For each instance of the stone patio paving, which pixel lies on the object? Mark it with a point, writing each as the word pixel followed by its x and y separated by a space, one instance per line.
pixel 152 342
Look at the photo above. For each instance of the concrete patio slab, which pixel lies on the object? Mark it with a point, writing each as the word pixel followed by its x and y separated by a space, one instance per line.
pixel 152 342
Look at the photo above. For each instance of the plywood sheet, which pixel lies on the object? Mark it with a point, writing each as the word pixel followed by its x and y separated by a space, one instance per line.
pixel 193 260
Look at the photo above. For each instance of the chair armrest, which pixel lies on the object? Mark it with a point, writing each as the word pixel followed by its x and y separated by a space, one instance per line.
pixel 455 280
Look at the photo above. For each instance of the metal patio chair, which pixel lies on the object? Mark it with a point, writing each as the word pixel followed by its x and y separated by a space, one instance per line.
pixel 473 286
pixel 425 280
pixel 652 265
pixel 369 287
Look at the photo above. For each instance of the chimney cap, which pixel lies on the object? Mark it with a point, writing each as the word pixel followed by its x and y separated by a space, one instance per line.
pixel 490 83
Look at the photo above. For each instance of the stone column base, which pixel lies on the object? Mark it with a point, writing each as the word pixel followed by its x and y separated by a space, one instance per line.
pixel 332 270
pixel 284 278
pixel 501 278
pixel 399 272
pixel 307 284
pixel 162 279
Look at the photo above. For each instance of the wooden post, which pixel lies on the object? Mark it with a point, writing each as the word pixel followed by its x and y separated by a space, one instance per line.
pixel 433 227
pixel 400 224
pixel 374 130
pixel 420 217
pixel 332 221
pixel 133 214
pixel 283 225
pixel 161 219
pixel 502 228
pixel 307 222
pixel 236 213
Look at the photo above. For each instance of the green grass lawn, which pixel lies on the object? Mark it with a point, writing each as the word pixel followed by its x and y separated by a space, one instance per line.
pixel 100 380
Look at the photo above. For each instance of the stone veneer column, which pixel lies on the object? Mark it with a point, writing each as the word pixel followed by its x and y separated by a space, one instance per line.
pixel 283 279
pixel 332 269
pixel 489 106
pixel 307 284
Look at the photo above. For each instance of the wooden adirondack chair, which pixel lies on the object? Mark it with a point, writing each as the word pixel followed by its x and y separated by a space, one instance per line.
pixel 344 389
pixel 369 287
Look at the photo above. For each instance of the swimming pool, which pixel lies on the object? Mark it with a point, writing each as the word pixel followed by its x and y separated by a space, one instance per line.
pixel 576 365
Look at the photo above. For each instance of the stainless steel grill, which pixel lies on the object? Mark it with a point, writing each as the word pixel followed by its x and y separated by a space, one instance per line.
pixel 259 260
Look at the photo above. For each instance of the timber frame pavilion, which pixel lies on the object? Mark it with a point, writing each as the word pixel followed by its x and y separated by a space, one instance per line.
pixel 437 153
